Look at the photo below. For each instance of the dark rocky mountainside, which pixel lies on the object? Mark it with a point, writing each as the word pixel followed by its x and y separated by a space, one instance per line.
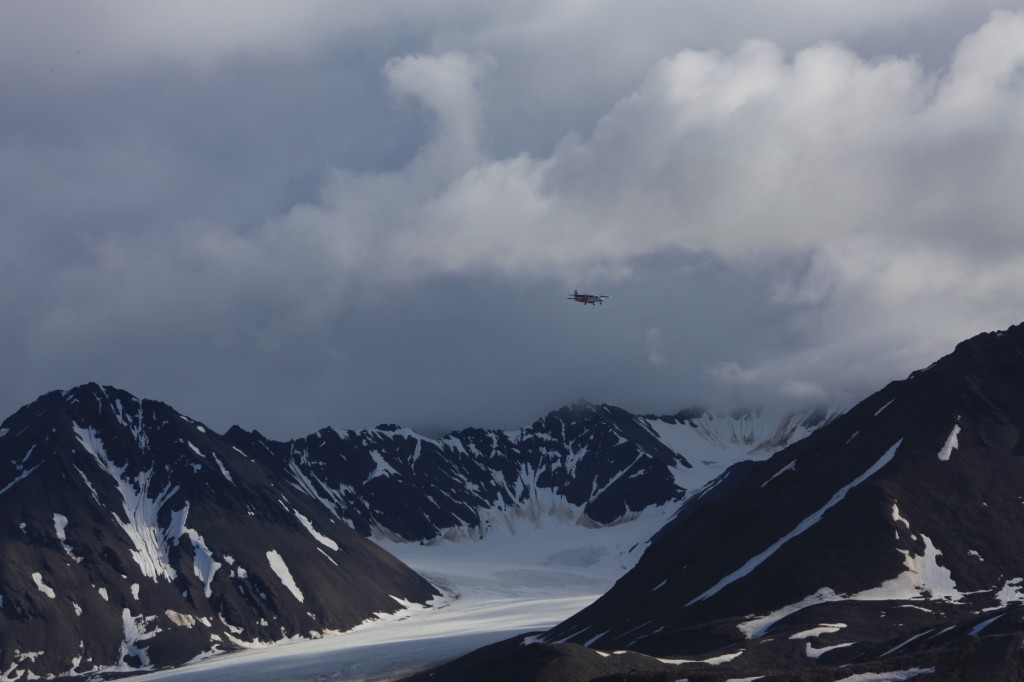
pixel 888 540
pixel 133 537
pixel 592 464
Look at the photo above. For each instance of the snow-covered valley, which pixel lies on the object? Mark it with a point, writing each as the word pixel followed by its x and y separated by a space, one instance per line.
pixel 516 579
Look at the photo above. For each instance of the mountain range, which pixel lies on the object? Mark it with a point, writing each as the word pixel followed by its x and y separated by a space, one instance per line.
pixel 883 546
pixel 875 543
pixel 136 538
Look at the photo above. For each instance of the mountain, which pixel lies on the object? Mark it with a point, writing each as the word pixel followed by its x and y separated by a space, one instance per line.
pixel 134 538
pixel 887 541
pixel 588 464
pixel 137 538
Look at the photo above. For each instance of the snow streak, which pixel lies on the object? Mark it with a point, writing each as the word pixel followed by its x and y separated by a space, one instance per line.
pixel 757 560
pixel 150 541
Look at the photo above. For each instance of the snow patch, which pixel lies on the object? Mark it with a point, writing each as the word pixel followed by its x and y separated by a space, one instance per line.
pixel 815 653
pixel 60 524
pixel 37 578
pixel 717 660
pixel 281 569
pixel 757 627
pixel 182 619
pixel 203 565
pixel 894 676
pixel 897 518
pixel 320 537
pixel 22 476
pixel 976 630
pixel 1011 592
pixel 134 632
pixel 823 629
pixel 923 579
pixel 223 470
pixel 951 444
pixel 381 468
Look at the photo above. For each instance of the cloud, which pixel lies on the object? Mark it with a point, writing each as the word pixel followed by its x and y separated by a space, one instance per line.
pixel 354 203
pixel 745 155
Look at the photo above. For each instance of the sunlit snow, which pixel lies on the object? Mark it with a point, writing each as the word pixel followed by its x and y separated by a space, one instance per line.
pixel 951 444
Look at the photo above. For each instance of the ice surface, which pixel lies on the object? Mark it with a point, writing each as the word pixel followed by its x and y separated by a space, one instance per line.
pixel 519 578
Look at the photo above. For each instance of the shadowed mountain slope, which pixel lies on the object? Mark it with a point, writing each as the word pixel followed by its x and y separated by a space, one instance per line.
pixel 886 540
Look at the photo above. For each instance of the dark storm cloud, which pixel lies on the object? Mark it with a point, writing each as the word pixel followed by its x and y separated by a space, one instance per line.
pixel 289 216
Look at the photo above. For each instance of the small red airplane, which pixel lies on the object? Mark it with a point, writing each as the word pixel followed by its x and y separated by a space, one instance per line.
pixel 592 299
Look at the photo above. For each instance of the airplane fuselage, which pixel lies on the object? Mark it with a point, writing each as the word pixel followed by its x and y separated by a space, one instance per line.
pixel 588 299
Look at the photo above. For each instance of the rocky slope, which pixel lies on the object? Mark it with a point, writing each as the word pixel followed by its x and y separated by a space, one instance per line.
pixel 885 541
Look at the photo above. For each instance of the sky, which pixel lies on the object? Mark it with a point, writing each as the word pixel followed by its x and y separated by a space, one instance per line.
pixel 293 215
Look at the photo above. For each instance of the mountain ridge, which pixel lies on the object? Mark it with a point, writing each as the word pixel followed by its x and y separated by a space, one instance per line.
pixel 137 538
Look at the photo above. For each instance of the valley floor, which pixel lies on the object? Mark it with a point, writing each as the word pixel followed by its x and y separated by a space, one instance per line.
pixel 516 580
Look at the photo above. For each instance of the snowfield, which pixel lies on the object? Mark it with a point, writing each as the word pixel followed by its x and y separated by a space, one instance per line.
pixel 519 578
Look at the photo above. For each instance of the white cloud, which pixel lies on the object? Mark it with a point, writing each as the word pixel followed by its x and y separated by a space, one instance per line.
pixel 857 174
pixel 746 155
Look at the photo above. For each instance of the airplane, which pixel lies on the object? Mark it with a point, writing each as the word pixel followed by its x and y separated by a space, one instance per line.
pixel 592 299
